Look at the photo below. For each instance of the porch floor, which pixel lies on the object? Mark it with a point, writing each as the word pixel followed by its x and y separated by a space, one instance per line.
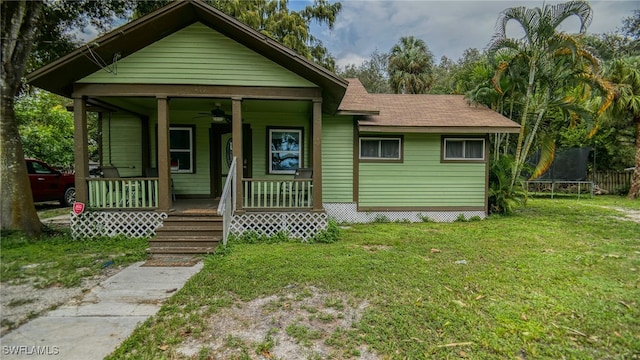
pixel 204 206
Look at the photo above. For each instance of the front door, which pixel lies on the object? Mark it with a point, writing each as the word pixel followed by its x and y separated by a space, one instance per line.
pixel 221 155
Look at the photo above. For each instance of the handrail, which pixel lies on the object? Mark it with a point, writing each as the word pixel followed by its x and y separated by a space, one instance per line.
pixel 227 207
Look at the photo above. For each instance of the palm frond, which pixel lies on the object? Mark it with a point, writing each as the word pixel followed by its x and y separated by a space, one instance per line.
pixel 547 154
pixel 581 9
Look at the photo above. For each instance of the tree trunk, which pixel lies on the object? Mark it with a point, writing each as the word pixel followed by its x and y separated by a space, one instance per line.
pixel 634 190
pixel 517 169
pixel 19 21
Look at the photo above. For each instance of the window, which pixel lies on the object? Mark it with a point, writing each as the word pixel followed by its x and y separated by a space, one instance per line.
pixel 463 149
pixel 37 168
pixel 181 149
pixel 381 149
pixel 285 150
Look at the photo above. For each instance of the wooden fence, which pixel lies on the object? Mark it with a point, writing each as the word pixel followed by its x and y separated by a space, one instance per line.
pixel 611 180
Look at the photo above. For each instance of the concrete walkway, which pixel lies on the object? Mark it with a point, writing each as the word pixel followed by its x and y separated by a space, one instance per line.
pixel 92 327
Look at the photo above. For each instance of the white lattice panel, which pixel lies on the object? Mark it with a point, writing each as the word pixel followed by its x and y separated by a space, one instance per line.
pixel 114 223
pixel 348 213
pixel 299 225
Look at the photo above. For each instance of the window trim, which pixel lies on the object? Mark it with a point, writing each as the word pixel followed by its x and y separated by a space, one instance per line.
pixel 270 130
pixel 400 158
pixel 191 151
pixel 443 148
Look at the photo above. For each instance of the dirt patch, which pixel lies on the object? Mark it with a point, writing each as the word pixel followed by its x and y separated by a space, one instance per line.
pixel 374 248
pixel 629 214
pixel 293 325
pixel 24 302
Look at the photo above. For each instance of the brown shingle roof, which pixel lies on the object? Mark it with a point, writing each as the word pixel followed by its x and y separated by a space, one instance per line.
pixel 357 100
pixel 421 113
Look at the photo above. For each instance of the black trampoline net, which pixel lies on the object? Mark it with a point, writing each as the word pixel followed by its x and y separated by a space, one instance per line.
pixel 568 165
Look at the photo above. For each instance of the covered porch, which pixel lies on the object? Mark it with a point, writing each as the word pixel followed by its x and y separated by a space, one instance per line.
pixel 155 175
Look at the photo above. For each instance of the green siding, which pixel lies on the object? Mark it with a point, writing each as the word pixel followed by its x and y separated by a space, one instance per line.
pixel 121 135
pixel 259 123
pixel 196 183
pixel 199 182
pixel 421 180
pixel 337 159
pixel 198 55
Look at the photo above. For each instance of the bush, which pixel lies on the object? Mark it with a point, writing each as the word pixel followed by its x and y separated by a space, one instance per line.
pixel 503 199
pixel 330 235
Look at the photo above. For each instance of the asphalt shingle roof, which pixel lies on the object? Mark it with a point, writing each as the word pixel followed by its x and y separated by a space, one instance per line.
pixel 422 113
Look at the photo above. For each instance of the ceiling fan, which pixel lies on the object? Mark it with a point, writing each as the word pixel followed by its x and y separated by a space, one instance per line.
pixel 217 115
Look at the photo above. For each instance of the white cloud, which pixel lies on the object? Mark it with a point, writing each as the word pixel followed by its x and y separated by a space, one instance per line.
pixel 351 59
pixel 447 27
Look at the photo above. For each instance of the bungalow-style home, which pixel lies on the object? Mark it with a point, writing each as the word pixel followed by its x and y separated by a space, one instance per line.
pixel 209 127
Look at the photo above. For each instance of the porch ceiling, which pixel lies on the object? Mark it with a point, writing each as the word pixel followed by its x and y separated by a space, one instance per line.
pixel 148 106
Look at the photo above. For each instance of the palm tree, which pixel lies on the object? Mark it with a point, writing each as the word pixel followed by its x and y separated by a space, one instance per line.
pixel 410 66
pixel 624 74
pixel 553 62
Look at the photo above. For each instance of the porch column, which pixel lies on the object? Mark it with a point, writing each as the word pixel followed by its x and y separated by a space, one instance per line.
pixel 236 131
pixel 317 155
pixel 163 160
pixel 80 148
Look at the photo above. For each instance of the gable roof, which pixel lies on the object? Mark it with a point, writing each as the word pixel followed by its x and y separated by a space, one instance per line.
pixel 356 100
pixel 60 75
pixel 421 113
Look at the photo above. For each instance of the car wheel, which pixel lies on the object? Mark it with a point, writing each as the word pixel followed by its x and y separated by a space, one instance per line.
pixel 69 197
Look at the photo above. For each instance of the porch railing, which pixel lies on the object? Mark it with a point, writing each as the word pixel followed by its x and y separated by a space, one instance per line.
pixel 277 194
pixel 123 193
pixel 227 206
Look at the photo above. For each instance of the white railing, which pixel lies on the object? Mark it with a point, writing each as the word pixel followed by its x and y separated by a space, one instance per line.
pixel 123 193
pixel 227 205
pixel 277 194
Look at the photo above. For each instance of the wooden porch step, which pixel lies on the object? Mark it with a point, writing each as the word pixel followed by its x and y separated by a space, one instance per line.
pixel 186 230
pixel 193 217
pixel 182 250
pixel 189 237
pixel 187 233
pixel 185 241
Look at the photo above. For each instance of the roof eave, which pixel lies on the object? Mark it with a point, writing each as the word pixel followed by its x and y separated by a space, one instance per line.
pixel 358 112
pixel 440 129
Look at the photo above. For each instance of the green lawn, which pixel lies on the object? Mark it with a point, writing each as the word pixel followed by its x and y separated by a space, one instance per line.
pixel 56 259
pixel 559 279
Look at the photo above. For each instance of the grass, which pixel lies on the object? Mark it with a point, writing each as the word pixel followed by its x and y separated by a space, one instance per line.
pixel 47 210
pixel 559 279
pixel 58 260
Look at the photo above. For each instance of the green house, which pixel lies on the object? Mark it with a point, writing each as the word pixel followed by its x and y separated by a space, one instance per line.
pixel 202 116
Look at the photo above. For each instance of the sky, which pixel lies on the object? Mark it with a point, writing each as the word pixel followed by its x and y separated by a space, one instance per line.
pixel 447 27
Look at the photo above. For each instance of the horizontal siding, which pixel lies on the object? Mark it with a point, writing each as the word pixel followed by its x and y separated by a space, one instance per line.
pixel 199 55
pixel 121 135
pixel 197 183
pixel 259 123
pixel 337 159
pixel 421 180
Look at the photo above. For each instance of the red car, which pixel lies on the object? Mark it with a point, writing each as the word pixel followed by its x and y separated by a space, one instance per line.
pixel 49 184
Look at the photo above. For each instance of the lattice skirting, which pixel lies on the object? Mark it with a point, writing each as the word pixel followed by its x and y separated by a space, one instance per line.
pixel 297 225
pixel 348 213
pixel 91 224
